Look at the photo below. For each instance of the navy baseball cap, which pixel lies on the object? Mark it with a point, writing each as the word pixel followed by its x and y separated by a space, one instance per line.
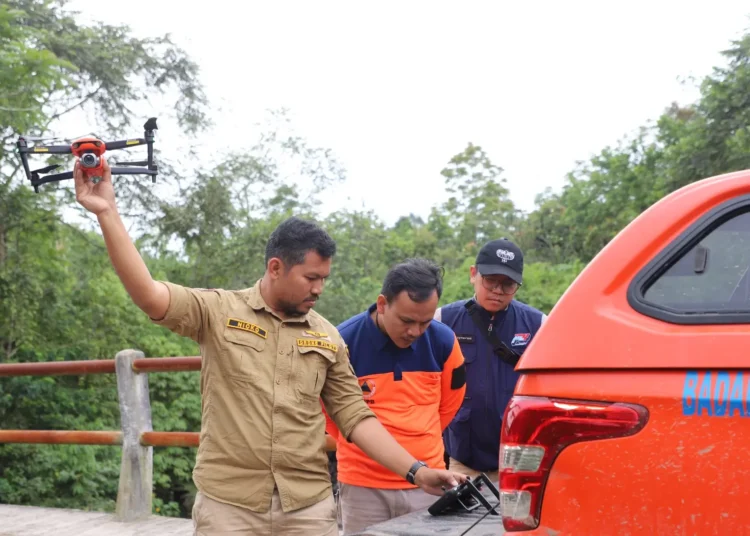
pixel 501 257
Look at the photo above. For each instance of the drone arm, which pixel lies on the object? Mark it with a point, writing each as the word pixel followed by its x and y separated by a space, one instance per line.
pixel 21 145
pixel 132 171
pixel 36 180
pixel 148 140
pixel 45 149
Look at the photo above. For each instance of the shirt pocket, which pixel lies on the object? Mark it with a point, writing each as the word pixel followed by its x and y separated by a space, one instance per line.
pixel 309 371
pixel 469 350
pixel 420 388
pixel 242 351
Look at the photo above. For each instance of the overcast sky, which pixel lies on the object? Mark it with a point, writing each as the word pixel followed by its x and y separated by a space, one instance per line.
pixel 395 89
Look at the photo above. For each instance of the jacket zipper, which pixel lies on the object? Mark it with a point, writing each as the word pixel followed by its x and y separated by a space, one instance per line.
pixel 489 369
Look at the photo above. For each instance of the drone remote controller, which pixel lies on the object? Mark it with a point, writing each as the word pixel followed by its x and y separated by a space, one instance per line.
pixel 465 497
pixel 89 151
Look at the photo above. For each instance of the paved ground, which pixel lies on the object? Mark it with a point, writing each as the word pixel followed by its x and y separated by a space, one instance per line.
pixel 34 521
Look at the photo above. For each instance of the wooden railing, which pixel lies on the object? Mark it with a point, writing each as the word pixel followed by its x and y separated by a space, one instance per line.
pixel 136 437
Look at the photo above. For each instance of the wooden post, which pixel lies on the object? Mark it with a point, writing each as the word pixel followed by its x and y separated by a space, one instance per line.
pixel 136 469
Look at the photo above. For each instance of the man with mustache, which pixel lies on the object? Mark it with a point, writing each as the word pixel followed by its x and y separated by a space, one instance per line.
pixel 411 373
pixel 267 360
pixel 493 329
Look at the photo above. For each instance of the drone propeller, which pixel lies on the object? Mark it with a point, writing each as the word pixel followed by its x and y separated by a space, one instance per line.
pixel 42 138
pixel 52 138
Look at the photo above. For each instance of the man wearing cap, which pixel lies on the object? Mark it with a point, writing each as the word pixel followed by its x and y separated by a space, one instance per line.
pixel 493 330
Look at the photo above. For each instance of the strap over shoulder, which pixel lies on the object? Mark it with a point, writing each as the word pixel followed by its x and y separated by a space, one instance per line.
pixel 500 349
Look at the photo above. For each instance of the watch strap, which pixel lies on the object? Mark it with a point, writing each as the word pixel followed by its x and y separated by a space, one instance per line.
pixel 413 471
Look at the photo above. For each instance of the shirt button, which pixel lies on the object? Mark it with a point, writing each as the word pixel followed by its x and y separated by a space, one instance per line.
pixel 278 382
pixel 275 439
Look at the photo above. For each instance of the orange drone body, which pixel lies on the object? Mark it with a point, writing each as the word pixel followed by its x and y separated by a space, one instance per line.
pixel 88 144
pixel 89 151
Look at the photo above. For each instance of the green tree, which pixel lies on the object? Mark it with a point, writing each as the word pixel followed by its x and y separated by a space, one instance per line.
pixel 59 298
pixel 479 208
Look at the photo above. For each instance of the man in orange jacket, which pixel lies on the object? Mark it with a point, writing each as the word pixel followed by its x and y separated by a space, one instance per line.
pixel 411 371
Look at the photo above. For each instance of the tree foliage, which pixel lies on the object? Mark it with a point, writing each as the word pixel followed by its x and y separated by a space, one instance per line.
pixel 60 299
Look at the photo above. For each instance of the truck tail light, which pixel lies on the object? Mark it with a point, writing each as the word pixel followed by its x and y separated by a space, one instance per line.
pixel 535 430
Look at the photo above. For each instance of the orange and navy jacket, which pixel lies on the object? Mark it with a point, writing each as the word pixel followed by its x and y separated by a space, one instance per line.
pixel 414 392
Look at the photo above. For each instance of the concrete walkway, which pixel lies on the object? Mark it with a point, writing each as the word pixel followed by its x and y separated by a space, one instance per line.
pixel 35 521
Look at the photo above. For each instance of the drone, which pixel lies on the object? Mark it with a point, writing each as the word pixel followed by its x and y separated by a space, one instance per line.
pixel 89 151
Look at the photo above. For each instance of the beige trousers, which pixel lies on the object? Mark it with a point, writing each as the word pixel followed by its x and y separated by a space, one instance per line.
pixel 214 518
pixel 362 507
pixel 455 465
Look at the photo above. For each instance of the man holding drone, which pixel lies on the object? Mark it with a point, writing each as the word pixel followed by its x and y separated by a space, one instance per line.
pixel 268 359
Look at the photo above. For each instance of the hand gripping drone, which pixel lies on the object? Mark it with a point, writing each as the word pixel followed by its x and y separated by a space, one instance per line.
pixel 89 151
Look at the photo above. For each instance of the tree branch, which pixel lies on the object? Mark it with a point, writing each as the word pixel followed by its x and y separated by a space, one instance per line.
pixel 85 99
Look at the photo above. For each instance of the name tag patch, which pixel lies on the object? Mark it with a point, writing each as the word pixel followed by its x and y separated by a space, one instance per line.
pixel 465 338
pixel 317 343
pixel 247 326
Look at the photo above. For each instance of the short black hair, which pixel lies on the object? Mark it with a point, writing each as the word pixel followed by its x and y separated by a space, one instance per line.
pixel 294 237
pixel 418 277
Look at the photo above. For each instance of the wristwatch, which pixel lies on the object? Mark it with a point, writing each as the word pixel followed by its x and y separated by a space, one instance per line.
pixel 413 471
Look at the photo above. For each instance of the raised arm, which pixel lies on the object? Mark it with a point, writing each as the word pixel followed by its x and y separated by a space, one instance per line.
pixel 151 296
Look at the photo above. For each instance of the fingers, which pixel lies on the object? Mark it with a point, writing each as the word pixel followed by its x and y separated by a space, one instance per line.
pixel 106 171
pixel 78 176
pixel 454 479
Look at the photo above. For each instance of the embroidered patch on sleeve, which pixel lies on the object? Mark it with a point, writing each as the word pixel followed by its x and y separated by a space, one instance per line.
pixel 317 343
pixel 247 326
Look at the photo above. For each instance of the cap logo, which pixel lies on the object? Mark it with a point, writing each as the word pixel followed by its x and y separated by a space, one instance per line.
pixel 505 255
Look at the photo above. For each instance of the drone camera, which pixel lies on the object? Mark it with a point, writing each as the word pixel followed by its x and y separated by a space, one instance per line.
pixel 90 160
pixel 89 152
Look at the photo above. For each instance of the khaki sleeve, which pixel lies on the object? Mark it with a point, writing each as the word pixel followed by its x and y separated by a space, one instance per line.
pixel 190 310
pixel 342 395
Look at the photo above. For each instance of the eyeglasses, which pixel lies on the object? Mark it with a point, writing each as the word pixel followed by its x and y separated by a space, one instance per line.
pixel 507 285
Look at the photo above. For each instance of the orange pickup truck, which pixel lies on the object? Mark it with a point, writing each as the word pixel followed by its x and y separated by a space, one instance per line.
pixel 632 414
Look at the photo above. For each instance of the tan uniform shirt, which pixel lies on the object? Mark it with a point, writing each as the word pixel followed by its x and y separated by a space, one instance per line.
pixel 261 384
